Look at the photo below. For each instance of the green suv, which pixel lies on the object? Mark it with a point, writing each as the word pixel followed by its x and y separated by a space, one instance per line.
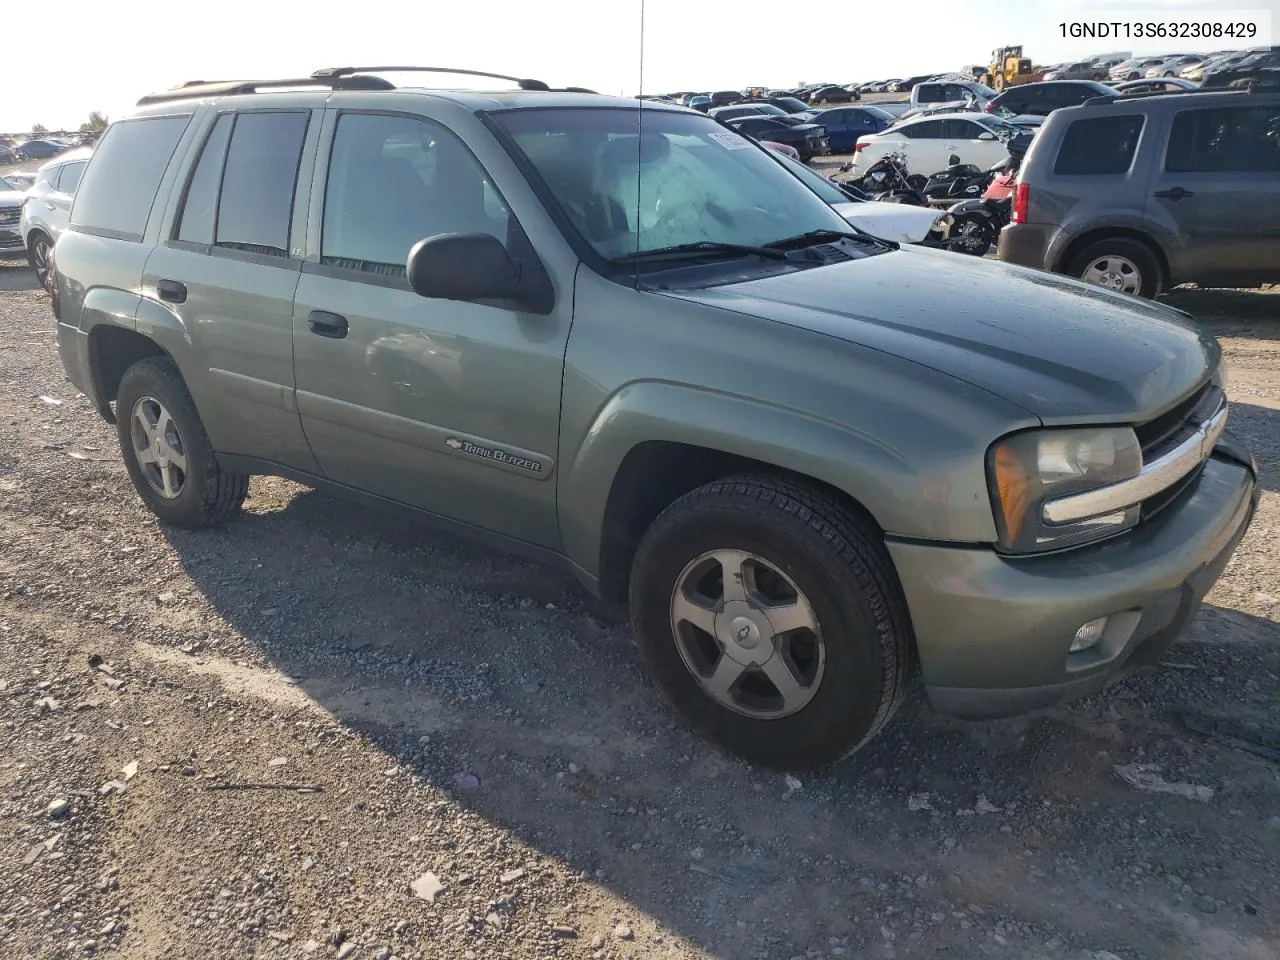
pixel 627 340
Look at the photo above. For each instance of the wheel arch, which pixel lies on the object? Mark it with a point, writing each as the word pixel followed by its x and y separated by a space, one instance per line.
pixel 1077 244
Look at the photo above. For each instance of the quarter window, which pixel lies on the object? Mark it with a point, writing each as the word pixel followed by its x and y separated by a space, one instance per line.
pixel 70 178
pixel 395 180
pixel 258 181
pixel 1234 139
pixel 119 185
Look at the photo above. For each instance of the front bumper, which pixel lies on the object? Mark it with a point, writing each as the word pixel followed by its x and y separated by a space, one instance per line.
pixel 1026 244
pixel 994 633
pixel 11 242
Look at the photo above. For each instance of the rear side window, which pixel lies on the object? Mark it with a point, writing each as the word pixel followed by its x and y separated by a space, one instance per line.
pixel 1236 139
pixel 1099 145
pixel 258 180
pixel 115 196
pixel 70 177
pixel 197 219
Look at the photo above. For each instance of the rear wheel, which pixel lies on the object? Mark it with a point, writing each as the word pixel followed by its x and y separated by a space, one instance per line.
pixel 1119 264
pixel 166 450
pixel 769 613
pixel 971 234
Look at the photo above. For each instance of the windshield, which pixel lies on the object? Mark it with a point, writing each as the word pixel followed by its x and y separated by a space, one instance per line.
pixel 814 180
pixel 792 104
pixel 699 182
pixel 770 109
pixel 879 113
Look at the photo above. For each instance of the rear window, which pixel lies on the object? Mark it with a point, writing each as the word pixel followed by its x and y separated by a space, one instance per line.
pixel 116 192
pixel 1099 145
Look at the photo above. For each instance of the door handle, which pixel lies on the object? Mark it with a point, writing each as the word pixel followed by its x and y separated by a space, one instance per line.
pixel 327 324
pixel 171 290
pixel 1177 193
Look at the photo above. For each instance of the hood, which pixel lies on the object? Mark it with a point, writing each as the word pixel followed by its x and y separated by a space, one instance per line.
pixel 1061 349
pixel 11 198
pixel 899 222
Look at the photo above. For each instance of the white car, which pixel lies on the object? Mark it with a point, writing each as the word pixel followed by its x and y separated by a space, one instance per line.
pixel 928 142
pixel 899 222
pixel 48 208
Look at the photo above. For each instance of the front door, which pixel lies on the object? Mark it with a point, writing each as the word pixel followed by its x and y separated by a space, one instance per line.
pixel 1219 184
pixel 228 266
pixel 447 406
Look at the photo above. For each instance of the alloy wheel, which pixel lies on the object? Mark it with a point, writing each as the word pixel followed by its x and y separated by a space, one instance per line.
pixel 747 634
pixel 159 448
pixel 1114 273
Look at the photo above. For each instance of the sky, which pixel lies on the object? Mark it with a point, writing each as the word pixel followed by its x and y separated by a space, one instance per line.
pixel 109 54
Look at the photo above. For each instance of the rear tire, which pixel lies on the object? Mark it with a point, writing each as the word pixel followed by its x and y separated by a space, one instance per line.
pixel 859 653
pixel 159 429
pixel 1120 264
pixel 971 234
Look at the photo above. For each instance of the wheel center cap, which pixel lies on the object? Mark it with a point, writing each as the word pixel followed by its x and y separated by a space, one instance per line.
pixel 744 632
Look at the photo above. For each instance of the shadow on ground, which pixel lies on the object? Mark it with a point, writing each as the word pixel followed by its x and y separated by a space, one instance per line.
pixel 935 831
pixel 17 275
pixel 1231 313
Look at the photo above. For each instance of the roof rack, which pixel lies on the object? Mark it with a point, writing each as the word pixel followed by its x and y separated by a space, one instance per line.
pixel 524 83
pixel 1148 94
pixel 224 88
pixel 333 78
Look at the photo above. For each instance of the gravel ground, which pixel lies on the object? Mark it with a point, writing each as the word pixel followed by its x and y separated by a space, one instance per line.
pixel 321 731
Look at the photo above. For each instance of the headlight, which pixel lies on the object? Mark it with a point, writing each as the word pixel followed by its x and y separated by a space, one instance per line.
pixel 1027 469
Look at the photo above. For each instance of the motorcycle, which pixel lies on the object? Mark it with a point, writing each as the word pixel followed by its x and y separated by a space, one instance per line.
pixel 960 181
pixel 976 223
pixel 887 180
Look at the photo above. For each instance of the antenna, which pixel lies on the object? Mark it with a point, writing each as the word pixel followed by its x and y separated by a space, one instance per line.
pixel 639 142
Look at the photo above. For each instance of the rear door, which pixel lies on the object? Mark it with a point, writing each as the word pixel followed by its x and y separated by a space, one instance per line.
pixel 925 146
pixel 1220 185
pixel 228 265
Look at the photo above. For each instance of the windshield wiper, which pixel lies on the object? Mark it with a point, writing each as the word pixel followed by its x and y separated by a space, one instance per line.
pixel 814 237
pixel 703 246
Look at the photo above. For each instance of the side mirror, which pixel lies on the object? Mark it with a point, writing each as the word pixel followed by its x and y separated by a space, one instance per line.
pixel 986 135
pixel 462 266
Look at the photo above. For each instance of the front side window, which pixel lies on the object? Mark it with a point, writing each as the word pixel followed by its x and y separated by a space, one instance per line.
pixel 1099 145
pixel 395 180
pixel 628 186
pixel 119 186
pixel 1235 139
pixel 258 180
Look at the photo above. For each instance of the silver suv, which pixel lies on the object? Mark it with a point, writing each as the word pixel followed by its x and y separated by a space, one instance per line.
pixel 1142 194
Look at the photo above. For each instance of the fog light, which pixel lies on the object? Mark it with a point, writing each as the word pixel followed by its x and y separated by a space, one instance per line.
pixel 1088 635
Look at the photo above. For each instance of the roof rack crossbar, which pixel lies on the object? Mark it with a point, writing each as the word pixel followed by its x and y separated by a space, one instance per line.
pixel 524 83
pixel 224 88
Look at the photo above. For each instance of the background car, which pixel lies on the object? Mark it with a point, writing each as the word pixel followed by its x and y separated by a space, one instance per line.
pixel 1078 70
pixel 1158 85
pixel 17 180
pixel 39 149
pixel 1241 70
pixel 809 139
pixel 1041 99
pixel 933 92
pixel 844 125
pixel 48 208
pixel 1142 195
pixel 833 94
pixel 11 203
pixel 929 142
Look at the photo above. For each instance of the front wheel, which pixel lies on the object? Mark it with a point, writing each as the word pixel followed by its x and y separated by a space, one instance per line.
pixel 39 246
pixel 770 614
pixel 972 235
pixel 1119 264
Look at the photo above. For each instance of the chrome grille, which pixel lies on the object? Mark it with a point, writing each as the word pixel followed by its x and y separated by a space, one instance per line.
pixel 10 215
pixel 1163 433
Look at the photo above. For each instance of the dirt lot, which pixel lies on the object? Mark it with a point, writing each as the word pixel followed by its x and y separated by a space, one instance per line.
pixel 478 726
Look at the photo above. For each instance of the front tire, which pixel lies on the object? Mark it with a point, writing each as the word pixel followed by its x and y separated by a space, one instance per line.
pixel 39 245
pixel 167 452
pixel 1119 264
pixel 770 614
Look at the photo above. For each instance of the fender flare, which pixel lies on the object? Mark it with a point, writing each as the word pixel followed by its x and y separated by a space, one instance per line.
pixel 857 463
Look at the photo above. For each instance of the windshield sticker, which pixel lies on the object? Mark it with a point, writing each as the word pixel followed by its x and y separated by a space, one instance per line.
pixel 730 141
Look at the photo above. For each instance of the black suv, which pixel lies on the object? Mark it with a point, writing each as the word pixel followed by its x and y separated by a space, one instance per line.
pixel 1041 99
pixel 1142 194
